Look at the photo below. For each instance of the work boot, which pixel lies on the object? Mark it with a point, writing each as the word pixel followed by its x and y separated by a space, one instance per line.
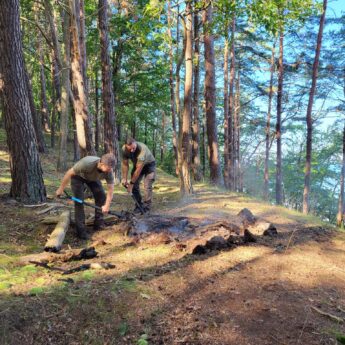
pixel 98 225
pixel 81 233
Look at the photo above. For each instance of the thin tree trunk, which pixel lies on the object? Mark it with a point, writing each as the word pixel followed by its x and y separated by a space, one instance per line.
pixel 185 147
pixel 26 171
pixel 56 67
pixel 80 101
pixel 210 99
pixel 172 91
pixel 231 111
pixel 306 192
pixel 341 202
pixel 96 112
pixel 177 93
pixel 237 128
pixel 44 103
pixel 111 144
pixel 163 136
pixel 65 95
pixel 279 179
pixel 82 43
pixel 36 121
pixel 226 108
pixel 195 123
pixel 268 127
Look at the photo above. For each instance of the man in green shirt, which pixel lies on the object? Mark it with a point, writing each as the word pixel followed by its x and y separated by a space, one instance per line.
pixel 144 166
pixel 89 171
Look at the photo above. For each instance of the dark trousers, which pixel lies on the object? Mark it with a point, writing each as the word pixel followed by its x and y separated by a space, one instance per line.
pixel 78 185
pixel 148 174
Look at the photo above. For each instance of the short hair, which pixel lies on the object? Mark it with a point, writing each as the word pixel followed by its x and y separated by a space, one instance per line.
pixel 108 159
pixel 130 141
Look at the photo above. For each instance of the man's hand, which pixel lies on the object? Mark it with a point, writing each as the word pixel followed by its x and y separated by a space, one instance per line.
pixel 105 208
pixel 124 182
pixel 59 192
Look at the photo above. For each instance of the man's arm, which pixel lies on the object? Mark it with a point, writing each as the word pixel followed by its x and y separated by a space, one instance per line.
pixel 110 192
pixel 135 176
pixel 65 181
pixel 124 168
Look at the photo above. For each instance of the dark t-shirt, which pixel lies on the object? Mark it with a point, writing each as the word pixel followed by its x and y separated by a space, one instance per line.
pixel 142 154
pixel 87 169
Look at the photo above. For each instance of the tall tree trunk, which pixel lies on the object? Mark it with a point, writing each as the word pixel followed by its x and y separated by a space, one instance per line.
pixel 111 144
pixel 268 126
pixel 185 176
pixel 26 171
pixel 226 107
pixel 177 93
pixel 82 43
pixel 231 111
pixel 36 121
pixel 172 91
pixel 80 101
pixel 163 136
pixel 56 66
pixel 237 127
pixel 96 112
pixel 306 192
pixel 279 178
pixel 44 103
pixel 65 95
pixel 341 201
pixel 210 98
pixel 195 123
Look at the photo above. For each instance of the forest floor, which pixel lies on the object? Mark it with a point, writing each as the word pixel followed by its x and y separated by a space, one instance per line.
pixel 285 289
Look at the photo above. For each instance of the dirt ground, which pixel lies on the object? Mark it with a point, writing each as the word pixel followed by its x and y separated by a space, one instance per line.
pixel 286 289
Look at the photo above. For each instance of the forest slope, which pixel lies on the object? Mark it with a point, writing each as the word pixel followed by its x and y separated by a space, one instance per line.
pixel 286 289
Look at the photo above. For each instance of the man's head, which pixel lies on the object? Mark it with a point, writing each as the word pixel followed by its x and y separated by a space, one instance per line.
pixel 107 163
pixel 131 145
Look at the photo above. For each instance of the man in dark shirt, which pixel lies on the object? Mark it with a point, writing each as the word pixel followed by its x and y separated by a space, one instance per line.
pixel 144 166
pixel 89 171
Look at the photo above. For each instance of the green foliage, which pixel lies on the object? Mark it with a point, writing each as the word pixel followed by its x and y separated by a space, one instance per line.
pixel 143 340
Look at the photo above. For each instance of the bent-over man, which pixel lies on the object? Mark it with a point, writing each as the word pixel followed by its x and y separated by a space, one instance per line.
pixel 89 171
pixel 144 166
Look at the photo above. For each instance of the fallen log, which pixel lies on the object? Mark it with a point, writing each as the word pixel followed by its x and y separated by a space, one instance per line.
pixel 56 238
pixel 93 265
pixel 62 256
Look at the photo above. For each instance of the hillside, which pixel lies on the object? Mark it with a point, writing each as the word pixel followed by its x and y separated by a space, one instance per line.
pixel 281 289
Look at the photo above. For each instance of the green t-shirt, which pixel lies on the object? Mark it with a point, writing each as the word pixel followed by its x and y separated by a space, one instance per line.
pixel 87 169
pixel 142 154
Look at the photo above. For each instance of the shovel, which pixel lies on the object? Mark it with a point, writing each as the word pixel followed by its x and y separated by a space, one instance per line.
pixel 135 200
pixel 79 201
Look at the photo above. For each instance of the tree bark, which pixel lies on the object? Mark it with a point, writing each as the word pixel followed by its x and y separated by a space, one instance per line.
pixel 97 128
pixel 279 195
pixel 309 120
pixel 195 123
pixel 80 101
pixel 56 67
pixel 111 144
pixel 268 127
pixel 185 147
pixel 44 103
pixel 232 113
pixel 65 94
pixel 341 201
pixel 210 99
pixel 226 107
pixel 172 91
pixel 26 171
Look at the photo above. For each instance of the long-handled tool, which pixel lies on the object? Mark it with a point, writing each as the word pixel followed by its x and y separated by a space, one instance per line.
pixel 79 201
pixel 140 207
